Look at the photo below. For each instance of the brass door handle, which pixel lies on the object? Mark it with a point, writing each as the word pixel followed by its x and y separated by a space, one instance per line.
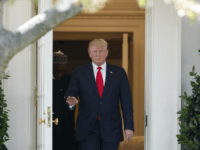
pixel 41 121
pixel 55 121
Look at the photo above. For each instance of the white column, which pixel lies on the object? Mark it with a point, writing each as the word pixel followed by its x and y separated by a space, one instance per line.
pixel 19 87
pixel 162 76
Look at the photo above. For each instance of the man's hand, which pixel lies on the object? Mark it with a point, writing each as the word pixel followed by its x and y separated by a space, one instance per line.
pixel 128 134
pixel 71 100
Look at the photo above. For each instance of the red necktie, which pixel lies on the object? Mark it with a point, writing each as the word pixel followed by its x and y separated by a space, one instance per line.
pixel 99 82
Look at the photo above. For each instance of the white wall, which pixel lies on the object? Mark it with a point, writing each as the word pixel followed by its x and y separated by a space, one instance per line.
pixel 19 88
pixel 190 56
pixel 190 40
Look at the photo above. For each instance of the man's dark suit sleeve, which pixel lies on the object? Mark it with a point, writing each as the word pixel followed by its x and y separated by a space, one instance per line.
pixel 73 88
pixel 126 102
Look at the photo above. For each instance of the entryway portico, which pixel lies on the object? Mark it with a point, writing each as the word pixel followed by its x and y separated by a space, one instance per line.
pixel 156 72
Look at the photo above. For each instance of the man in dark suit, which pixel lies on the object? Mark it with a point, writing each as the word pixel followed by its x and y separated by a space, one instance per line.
pixel 100 86
pixel 63 132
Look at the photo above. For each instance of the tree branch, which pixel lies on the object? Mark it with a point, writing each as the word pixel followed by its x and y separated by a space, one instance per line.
pixel 13 42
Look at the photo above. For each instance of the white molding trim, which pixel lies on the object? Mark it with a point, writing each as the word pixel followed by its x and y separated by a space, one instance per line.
pixel 148 75
pixel 41 85
pixel 44 82
pixel 179 73
pixel 41 92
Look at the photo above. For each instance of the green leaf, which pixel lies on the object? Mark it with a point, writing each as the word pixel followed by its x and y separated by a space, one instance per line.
pixel 1 131
pixel 193 68
pixel 191 123
pixel 195 122
pixel 198 80
pixel 2 95
pixel 193 84
pixel 192 74
pixel 195 140
pixel 178 136
pixel 4 105
pixel 182 97
pixel 185 94
pixel 179 112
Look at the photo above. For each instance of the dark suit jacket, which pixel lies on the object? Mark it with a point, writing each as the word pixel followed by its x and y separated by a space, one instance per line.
pixel 63 133
pixel 91 105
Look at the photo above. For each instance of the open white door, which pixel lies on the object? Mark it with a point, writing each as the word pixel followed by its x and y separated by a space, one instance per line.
pixel 44 85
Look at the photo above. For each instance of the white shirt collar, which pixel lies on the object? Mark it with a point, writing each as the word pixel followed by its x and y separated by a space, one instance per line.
pixel 102 66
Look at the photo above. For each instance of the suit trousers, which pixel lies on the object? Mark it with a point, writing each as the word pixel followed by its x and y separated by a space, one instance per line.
pixel 94 141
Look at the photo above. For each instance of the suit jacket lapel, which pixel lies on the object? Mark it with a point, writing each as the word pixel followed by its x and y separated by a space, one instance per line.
pixel 91 78
pixel 109 77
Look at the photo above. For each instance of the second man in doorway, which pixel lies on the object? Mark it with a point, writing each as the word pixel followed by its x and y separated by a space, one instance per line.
pixel 63 133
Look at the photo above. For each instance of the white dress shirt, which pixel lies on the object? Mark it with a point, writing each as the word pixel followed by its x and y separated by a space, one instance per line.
pixel 103 71
pixel 95 70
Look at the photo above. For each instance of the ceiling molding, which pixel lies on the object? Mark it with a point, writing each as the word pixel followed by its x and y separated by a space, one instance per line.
pixel 87 36
pixel 122 5
pixel 109 17
pixel 113 15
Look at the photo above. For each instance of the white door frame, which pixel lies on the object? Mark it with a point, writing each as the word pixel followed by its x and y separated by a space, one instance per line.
pixel 111 24
pixel 44 84
pixel 162 67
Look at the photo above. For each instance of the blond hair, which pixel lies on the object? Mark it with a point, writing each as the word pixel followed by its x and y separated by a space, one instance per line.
pixel 95 41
